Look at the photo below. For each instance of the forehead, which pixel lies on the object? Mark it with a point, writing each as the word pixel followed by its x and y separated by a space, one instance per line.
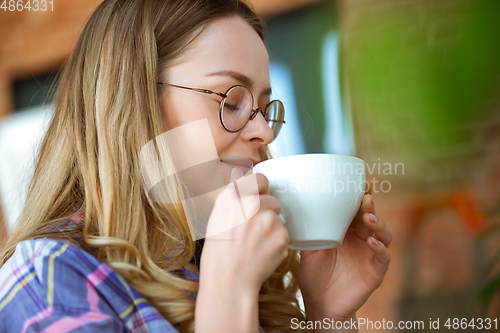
pixel 225 44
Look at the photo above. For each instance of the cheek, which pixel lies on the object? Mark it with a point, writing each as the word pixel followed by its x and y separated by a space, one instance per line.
pixel 173 113
pixel 224 141
pixel 178 110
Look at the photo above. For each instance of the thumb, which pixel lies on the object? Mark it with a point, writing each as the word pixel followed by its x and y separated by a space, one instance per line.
pixel 236 173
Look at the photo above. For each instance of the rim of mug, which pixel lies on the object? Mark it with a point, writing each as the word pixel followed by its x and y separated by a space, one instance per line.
pixel 312 154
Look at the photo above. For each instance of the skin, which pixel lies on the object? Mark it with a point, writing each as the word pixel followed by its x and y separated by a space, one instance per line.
pixel 232 272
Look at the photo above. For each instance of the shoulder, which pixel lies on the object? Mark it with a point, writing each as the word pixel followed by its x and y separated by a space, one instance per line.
pixel 50 261
pixel 49 282
pixel 30 261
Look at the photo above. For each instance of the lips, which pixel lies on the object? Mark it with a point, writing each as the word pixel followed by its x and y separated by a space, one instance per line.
pixel 237 160
pixel 255 162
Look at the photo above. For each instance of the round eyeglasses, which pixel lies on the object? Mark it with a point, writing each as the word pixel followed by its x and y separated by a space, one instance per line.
pixel 236 108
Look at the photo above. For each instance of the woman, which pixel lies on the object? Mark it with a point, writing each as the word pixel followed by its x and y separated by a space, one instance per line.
pixel 94 252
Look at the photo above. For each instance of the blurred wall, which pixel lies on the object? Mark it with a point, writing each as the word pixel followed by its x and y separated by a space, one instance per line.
pixel 33 43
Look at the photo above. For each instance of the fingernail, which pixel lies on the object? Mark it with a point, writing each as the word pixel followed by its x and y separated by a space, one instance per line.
pixel 373 218
pixel 371 199
pixel 374 241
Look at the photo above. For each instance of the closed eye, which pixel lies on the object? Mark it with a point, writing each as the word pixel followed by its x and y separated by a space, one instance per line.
pixel 230 107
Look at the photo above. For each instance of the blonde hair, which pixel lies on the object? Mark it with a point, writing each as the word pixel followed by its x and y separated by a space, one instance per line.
pixel 106 110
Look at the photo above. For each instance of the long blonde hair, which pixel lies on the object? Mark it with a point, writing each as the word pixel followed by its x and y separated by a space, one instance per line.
pixel 106 109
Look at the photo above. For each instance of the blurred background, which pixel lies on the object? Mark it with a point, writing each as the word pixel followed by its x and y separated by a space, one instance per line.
pixel 410 86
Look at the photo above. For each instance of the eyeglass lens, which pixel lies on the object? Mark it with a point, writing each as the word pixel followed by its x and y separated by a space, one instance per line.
pixel 238 106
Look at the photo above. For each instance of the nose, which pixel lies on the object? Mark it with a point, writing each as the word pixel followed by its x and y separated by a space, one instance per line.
pixel 257 129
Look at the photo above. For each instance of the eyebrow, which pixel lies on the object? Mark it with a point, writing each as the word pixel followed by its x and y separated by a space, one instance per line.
pixel 241 78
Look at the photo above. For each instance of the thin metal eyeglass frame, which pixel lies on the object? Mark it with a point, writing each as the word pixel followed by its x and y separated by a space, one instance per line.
pixel 222 102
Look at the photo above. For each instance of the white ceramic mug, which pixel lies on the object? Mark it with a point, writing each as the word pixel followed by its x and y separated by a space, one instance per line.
pixel 320 194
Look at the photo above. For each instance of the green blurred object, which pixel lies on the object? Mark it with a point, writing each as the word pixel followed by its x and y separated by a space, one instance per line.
pixel 422 78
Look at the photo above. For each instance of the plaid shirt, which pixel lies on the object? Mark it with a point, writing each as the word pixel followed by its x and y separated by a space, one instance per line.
pixel 52 286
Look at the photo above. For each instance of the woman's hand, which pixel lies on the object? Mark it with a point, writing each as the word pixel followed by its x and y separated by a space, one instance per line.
pixel 336 282
pixel 251 251
pixel 236 262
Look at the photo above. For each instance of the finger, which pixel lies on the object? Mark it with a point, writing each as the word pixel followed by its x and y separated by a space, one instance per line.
pixel 262 181
pixel 378 226
pixel 363 230
pixel 270 202
pixel 382 256
pixel 369 186
pixel 367 206
pixel 262 184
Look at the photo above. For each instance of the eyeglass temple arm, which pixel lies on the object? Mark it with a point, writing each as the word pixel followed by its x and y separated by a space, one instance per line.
pixel 205 91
